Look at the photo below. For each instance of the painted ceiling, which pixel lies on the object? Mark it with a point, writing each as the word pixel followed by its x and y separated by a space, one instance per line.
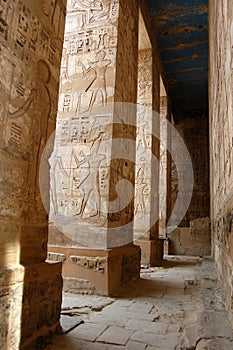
pixel 181 28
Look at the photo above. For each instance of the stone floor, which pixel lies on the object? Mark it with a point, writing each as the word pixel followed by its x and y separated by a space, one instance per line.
pixel 180 306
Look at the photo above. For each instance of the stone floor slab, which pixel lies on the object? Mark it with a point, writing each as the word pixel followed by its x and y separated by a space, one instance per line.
pixel 89 331
pixel 155 327
pixel 156 314
pixel 115 335
pixel 69 323
pixel 145 337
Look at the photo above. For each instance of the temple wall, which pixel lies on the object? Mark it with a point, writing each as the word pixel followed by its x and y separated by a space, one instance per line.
pixel 31 37
pixel 221 125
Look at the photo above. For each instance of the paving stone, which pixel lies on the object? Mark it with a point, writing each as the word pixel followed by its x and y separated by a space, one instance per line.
pixel 115 335
pixel 89 331
pixel 174 328
pixel 169 341
pixel 134 345
pixel 69 323
pixel 140 316
pixel 215 324
pixel 140 307
pixel 124 302
pixel 70 301
pixel 215 344
pixel 145 337
pixel 65 342
pixel 114 309
pixel 131 345
pixel 139 321
pixel 155 327
pixel 191 336
pixel 93 346
pixel 117 320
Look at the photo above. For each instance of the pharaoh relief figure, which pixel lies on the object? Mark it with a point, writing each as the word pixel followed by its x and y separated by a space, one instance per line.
pixel 78 184
pixel 96 72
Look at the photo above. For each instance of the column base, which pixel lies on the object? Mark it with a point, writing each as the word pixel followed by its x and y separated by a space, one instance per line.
pixel 152 252
pixel 41 304
pixel 11 295
pixel 97 271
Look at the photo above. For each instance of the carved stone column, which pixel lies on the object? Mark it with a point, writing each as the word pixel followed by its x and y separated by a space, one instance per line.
pixel 163 161
pixel 91 226
pixel 31 37
pixel 147 156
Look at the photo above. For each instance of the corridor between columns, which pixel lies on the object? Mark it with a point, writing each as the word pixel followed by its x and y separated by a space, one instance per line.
pixel 176 307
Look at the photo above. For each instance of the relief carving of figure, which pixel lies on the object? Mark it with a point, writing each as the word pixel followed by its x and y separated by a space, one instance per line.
pixel 141 190
pixel 89 186
pixel 97 86
pixel 78 183
pixel 139 201
pixel 26 131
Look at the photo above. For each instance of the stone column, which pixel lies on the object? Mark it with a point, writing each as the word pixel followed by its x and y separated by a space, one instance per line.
pixel 91 226
pixel 31 37
pixel 147 159
pixel 163 162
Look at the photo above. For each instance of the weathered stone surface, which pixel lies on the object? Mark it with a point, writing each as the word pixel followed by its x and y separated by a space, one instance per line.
pixel 11 295
pixel 68 323
pixel 220 116
pixel 192 241
pixel 115 335
pixel 31 38
pixel 192 237
pixel 92 155
pixel 89 331
pixel 41 303
pixel 100 46
pixel 93 263
pixel 172 321
pixel 215 344
pixel 98 271
pixel 146 203
pixel 56 257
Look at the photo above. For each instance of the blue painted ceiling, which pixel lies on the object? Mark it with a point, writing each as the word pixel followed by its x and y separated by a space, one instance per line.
pixel 181 28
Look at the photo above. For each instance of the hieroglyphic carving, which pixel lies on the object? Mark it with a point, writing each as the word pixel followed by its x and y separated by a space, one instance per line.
pixel 30 36
pixel 56 257
pixel 163 163
pixel 88 63
pixel 21 120
pixel 26 98
pixel 86 13
pixel 88 54
pixel 80 175
pixel 7 8
pixel 144 144
pixel 93 263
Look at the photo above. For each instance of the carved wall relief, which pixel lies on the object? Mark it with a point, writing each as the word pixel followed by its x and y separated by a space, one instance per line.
pixel 93 263
pixel 80 165
pixel 79 171
pixel 56 257
pixel 83 147
pixel 30 54
pixel 30 58
pixel 7 9
pixel 144 144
